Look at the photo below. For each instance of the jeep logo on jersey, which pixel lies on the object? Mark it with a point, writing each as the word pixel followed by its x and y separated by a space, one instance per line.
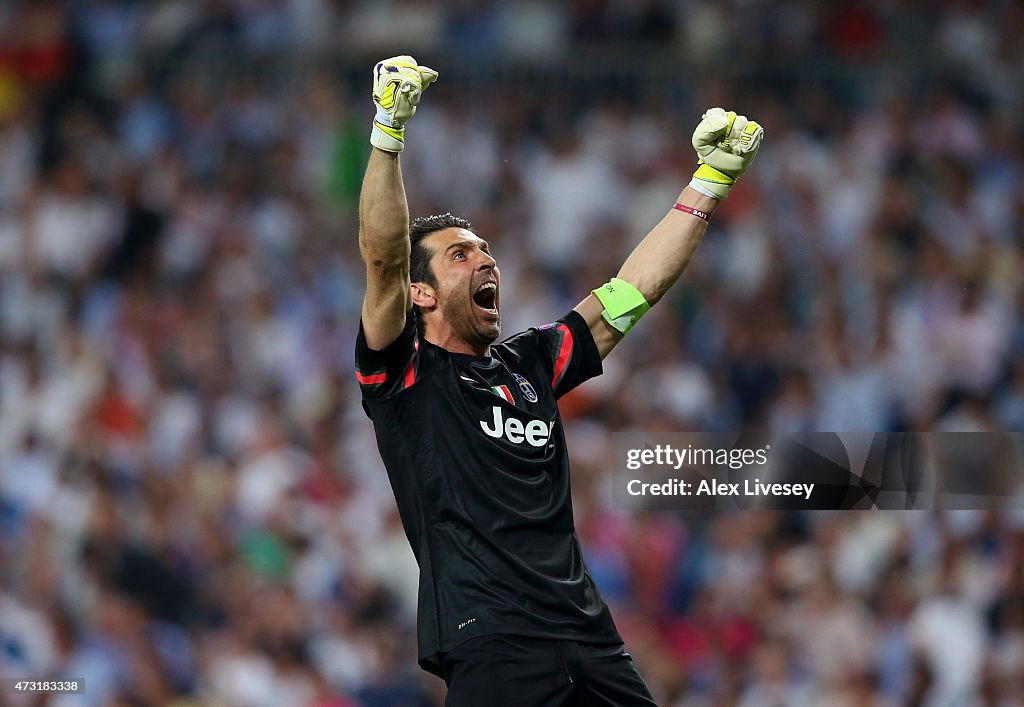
pixel 524 385
pixel 535 432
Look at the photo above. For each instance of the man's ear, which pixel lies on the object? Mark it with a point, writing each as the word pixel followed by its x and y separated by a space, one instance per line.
pixel 424 296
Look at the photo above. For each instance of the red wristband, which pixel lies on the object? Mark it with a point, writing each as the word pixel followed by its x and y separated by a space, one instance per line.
pixel 692 211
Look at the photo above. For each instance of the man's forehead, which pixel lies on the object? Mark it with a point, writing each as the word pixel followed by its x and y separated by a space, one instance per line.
pixel 450 236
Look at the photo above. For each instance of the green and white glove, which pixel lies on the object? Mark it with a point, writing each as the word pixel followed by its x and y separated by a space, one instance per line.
pixel 726 143
pixel 398 83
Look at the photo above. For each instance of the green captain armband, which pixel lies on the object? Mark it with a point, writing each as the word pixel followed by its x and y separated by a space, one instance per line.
pixel 623 304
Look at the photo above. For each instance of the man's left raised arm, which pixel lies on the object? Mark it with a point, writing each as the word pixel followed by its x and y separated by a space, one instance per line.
pixel 726 143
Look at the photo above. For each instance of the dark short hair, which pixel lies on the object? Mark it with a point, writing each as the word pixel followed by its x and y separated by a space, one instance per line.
pixel 419 255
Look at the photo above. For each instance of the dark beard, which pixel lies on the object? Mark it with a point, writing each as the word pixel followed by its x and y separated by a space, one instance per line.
pixel 461 322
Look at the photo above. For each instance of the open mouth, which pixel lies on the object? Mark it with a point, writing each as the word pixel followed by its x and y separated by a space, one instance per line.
pixel 486 298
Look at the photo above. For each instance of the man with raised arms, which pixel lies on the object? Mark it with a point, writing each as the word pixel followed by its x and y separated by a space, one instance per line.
pixel 469 429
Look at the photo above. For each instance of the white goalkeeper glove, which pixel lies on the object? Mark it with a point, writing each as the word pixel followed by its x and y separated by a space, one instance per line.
pixel 726 143
pixel 397 85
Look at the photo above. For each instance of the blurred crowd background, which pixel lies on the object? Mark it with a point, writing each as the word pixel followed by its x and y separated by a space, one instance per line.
pixel 192 508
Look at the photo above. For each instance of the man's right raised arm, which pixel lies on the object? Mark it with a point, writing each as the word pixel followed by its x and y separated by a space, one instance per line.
pixel 384 245
pixel 383 211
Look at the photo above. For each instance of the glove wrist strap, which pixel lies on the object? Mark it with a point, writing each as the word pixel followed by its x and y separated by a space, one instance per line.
pixel 387 138
pixel 709 174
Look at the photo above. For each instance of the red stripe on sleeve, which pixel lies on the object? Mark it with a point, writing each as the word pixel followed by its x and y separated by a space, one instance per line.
pixel 372 379
pixel 563 354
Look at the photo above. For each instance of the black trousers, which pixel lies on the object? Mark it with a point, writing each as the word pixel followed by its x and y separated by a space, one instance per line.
pixel 507 671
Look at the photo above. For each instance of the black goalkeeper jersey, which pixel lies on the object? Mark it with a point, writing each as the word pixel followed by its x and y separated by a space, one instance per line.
pixel 477 460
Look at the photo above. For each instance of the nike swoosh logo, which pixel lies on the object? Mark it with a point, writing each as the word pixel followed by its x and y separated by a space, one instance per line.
pixel 471 380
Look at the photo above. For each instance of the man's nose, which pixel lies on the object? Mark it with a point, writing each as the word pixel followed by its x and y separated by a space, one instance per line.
pixel 487 262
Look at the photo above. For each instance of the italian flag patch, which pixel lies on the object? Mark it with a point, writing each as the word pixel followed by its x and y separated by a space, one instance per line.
pixel 504 393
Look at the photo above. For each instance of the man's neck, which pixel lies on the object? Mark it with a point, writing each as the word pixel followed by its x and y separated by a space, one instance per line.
pixel 450 342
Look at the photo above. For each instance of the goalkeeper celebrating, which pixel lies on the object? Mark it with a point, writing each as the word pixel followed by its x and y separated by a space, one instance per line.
pixel 469 429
